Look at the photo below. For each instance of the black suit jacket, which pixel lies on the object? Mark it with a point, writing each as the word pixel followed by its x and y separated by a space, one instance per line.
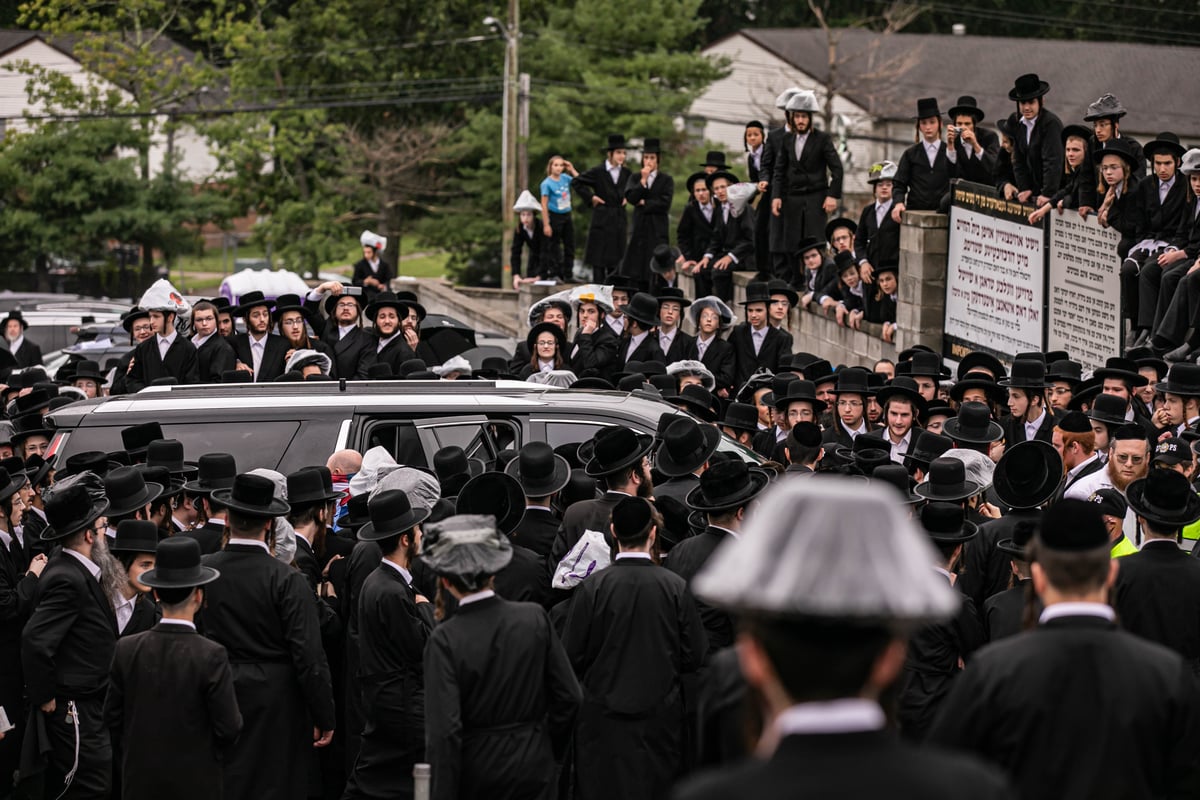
pixel 1187 235
pixel 651 225
pixel 918 185
pixel 362 271
pixel 647 350
pixel 180 363
pixel 694 232
pixel 525 579
pixel 819 168
pixel 687 559
pixel 778 343
pixel 532 240
pixel 394 354
pixel 393 629
pixel 586 515
pixel 734 237
pixel 171 700
pixel 1157 220
pixel 606 233
pixel 1004 612
pixel 1014 429
pixel 592 353
pixel 146 615
pixel 719 358
pixel 878 244
pixel 215 356
pixel 346 351
pixel 1038 164
pixel 1154 586
pixel 68 643
pixel 274 355
pixel 683 346
pixel 981 168
pixel 536 530
pixel 208 535
pixel 28 355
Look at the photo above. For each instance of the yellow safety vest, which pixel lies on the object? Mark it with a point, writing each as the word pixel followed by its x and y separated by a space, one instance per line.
pixel 1123 547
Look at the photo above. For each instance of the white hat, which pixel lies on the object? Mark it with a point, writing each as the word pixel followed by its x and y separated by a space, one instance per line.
pixel 368 239
pixel 697 368
pixel 527 202
pixel 558 378
pixel 831 549
pixel 285 534
pixel 976 465
pixel 455 364
pixel 1191 162
pixel 592 293
pixel 882 171
pixel 305 357
pixel 423 489
pixel 716 304
pixel 162 296
pixel 740 195
pixel 782 101
pixel 804 100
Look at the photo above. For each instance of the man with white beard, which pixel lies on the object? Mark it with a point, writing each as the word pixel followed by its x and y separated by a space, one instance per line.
pixel 68 643
pixel 1128 460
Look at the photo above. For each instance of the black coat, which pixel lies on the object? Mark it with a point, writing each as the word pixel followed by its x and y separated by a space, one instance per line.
pixel 1126 724
pixel 208 535
pixel 694 232
pixel 395 353
pixel 647 350
pixel 346 351
pixel 586 515
pixel 274 355
pixel 146 615
pixel 818 171
pixel 1038 164
pixel 1154 587
pixel 864 764
pixel 683 347
pixel 214 357
pixel 979 169
pixel 1156 220
pixel 28 355
pixel 536 530
pixel 68 642
pixel 593 353
pixel 733 236
pixel 776 345
pixel 501 698
pixel 651 222
pixel 632 636
pixel 1014 429
pixel 362 271
pixel 1004 612
pixel 532 240
pixel 878 244
pixel 265 615
pixel 180 363
pixel 878 309
pixel 607 232
pixel 987 569
pixel 171 700
pixel 363 560
pixel 1187 235
pixel 918 185
pixel 17 591
pixel 525 579
pixel 687 559
pixel 719 358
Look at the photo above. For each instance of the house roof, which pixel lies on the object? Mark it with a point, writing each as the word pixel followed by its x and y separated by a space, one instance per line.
pixel 885 74
pixel 11 39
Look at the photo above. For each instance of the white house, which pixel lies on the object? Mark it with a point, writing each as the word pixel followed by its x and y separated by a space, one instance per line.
pixel 877 78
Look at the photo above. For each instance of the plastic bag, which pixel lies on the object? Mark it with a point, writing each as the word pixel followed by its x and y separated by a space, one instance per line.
pixel 590 554
pixel 162 296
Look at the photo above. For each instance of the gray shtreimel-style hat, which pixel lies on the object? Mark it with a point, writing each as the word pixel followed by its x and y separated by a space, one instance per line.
pixel 811 550
pixel 466 545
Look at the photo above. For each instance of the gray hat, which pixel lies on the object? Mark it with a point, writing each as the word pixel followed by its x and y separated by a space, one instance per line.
pixel 812 550
pixel 466 545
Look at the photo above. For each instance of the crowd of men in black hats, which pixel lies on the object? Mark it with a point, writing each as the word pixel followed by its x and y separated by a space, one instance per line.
pixel 921 585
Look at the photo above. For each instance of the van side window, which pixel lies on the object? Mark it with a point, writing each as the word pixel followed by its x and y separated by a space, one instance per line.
pixel 401 441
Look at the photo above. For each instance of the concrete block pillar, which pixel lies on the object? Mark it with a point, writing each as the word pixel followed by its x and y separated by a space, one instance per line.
pixel 921 302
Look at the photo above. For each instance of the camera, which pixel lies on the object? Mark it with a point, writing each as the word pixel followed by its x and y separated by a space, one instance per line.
pixel 954 129
pixel 352 290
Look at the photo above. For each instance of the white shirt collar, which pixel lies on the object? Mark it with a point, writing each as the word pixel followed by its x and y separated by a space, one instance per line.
pixel 1075 470
pixel 403 572
pixel 734 534
pixel 87 562
pixel 183 623
pixel 168 340
pixel 259 340
pixel 344 329
pixel 16 345
pixel 848 715
pixel 636 340
pixel 475 597
pixel 250 543
pixel 631 555
pixel 1077 610
pixel 1037 423
pixel 199 340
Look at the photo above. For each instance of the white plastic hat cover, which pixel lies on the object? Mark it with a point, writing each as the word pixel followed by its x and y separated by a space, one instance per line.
pixel 1191 162
pixel 592 293
pixel 285 534
pixel 882 171
pixel 527 202
pixel 831 549
pixel 162 296
pixel 304 357
pixel 788 94
pixel 804 100
pixel 423 489
pixel 455 364
pixel 368 239
pixel 716 304
pixel 272 283
pixel 976 465
pixel 740 195
pixel 697 368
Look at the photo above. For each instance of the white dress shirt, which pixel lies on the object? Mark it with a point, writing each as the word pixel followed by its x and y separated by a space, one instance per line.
pixel 1029 125
pixel 847 715
pixel 707 210
pixel 634 341
pixel 1077 609
pixel 702 345
pixel 475 597
pixel 758 336
pixel 165 342
pixel 801 139
pixel 1031 428
pixel 899 448
pixel 183 623
pixel 199 340
pixel 613 171
pixel 931 151
pixel 15 345
pixel 345 329
pixel 403 572
pixel 124 610
pixel 665 339
pixel 257 349
pixel 385 342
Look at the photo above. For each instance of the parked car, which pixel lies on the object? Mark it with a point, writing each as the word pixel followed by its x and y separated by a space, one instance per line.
pixel 285 426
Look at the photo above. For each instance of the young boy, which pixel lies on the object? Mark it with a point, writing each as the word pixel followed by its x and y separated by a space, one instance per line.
pixel 528 235
pixel 877 240
pixel 881 304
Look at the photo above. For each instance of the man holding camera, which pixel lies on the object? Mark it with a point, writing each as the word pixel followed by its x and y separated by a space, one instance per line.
pixel 923 178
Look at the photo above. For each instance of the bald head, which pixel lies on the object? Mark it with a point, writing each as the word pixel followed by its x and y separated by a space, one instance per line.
pixel 345 462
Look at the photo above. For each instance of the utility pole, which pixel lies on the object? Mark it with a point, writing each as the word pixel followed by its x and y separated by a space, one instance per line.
pixel 523 128
pixel 508 142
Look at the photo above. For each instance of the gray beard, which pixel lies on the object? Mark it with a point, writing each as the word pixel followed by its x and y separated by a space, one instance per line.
pixel 112 574
pixel 10 338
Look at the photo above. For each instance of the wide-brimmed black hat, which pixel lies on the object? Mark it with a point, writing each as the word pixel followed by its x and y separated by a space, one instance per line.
pixel 89 370
pixel 927 365
pixel 137 438
pixel 697 400
pixel 1109 409
pixel 1164 498
pixel 691 181
pixel 214 471
pixel 1123 369
pixel 757 292
pixel 896 475
pixel 252 496
pixel 11 483
pixel 643 308
pixel 172 486
pixel 614 449
pixel 902 386
pixel 1078 131
pixel 809 243
pixel 29 425
pixel 36 400
pixel 391 515
pixel 927 107
pixel 248 301
pixel 495 494
pixel 729 177
pixel 128 491
pixel 715 158
pixel 1026 374
pixel 552 328
pixel 357 514
pixel 306 487
pixel 1144 357
pixel 615 141
pixel 839 222
pixel 686 446
pixel 925 447
pixel 96 461
pixel 131 316
pixel 411 300
pixel 820 371
pixel 387 300
pixel 966 104
pixel 800 390
pixel 1028 474
pixel 780 286
pixel 451 461
pixel 973 425
pixel 673 294
pixel 1165 142
pixel 169 453
pixel 1065 371
pixel 135 536
pixel 1120 148
pixel 946 480
pixel 853 381
pixel 651 146
pixel 663 259
pixel 38 469
pixel 539 470
pixel 1028 87
pixel 979 359
pixel 1183 379
pixel 289 302
pixel 72 504
pixel 727 485
pixel 741 417
pixel 177 565
pixel 944 523
pixel 1023 531
pixel 18 316
pixel 630 284
pixel 979 380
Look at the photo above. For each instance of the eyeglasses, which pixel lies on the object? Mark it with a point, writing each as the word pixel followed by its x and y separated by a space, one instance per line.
pixel 1060 390
pixel 143 328
pixel 347 304
pixel 546 343
pixel 1126 458
pixel 292 322
pixel 1110 167
pixel 849 403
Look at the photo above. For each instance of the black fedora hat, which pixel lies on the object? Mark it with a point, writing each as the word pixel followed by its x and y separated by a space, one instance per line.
pixel 715 158
pixel 306 487
pixel 357 514
pixel 391 515
pixel 249 301
pixel 973 425
pixel 16 314
pixel 1026 374
pixel 177 565
pixel 928 365
pixel 1183 379
pixel 967 105
pixel 387 300
pixel 593 383
pixel 131 316
pixel 1123 369
pixel 651 146
pixel 289 302
pixel 452 460
pixel 692 179
pixel 38 469
pixel 411 300
pixel 1165 498
pixel 630 284
pixel 1017 545
pixel 944 523
pixel 1165 142
pixel 839 222
pixel 128 491
pixel 330 302
pixel 36 400
pixel 493 493
pixel 672 294
pixel 927 107
pixel 1078 131
pixel 896 475
pixel 809 243
pixel 868 460
pixel 135 536
pixel 781 287
pixel 926 447
pixel 820 371
pixel 1028 87
pixel 696 400
pixel 1120 148
pixel 757 292
pixel 727 485
pixel 11 482
pixel 853 381
pixel 540 471
pixel 1145 359
pixel 615 141
pixel 663 259
pixel 1065 371
pixel 946 480
pixel 169 453
pixel 554 329
pixel 740 417
pixel 252 496
pixel 159 475
pixel 979 359
pixel 643 308
pixel 902 386
pixel 686 446
pixel 800 390
pixel 1109 409
pixel 27 426
pixel 1028 474
pixel 616 448
pixel 96 461
pixel 136 438
pixel 979 380
pixel 72 504
pixel 213 471
pixel 90 371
